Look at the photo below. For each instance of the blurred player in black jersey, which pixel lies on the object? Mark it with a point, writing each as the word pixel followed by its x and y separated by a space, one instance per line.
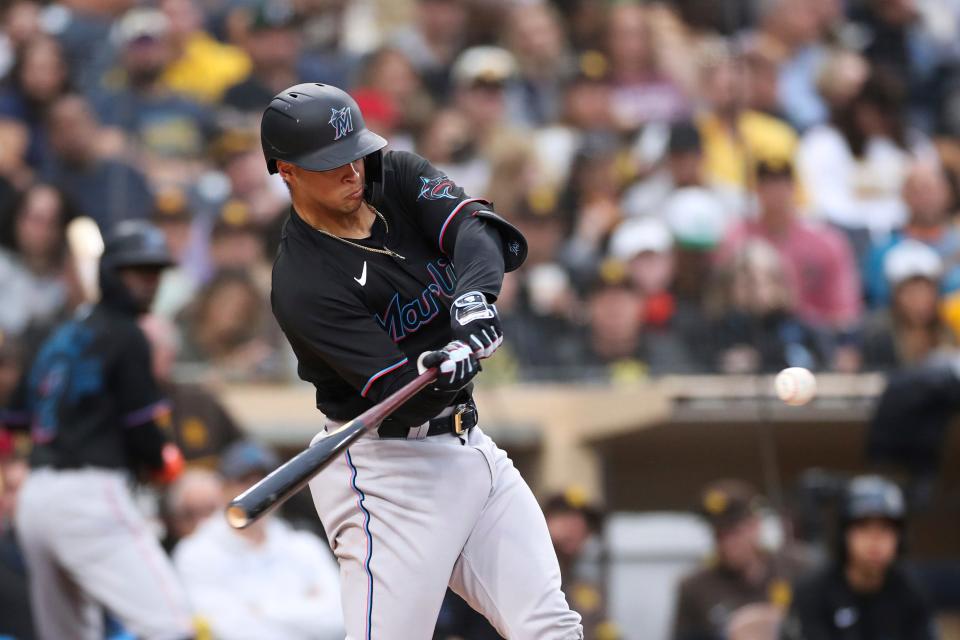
pixel 95 415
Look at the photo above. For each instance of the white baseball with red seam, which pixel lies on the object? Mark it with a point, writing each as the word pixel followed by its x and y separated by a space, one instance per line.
pixel 795 385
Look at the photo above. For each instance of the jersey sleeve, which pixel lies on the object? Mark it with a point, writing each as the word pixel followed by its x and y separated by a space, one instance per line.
pixel 143 411
pixel 336 328
pixel 439 207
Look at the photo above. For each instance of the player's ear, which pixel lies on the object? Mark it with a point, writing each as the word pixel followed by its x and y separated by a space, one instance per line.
pixel 285 169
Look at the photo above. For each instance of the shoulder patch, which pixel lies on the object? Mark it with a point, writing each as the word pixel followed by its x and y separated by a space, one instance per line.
pixel 436 188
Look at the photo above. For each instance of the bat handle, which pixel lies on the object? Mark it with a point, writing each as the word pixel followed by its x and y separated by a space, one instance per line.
pixel 293 475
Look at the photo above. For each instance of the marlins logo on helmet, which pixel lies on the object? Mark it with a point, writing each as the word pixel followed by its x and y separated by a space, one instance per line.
pixel 342 122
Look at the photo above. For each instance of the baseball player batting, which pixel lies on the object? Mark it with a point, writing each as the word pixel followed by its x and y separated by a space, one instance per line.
pixel 385 269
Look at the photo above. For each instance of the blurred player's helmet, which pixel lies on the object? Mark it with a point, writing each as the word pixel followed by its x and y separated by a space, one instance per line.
pixel 132 243
pixel 870 496
pixel 135 243
pixel 873 497
pixel 320 127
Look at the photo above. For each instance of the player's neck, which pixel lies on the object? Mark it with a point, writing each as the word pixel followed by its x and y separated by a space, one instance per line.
pixel 355 225
pixel 864 580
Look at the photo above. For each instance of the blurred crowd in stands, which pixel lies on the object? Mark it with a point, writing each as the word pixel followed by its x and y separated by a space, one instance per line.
pixel 706 186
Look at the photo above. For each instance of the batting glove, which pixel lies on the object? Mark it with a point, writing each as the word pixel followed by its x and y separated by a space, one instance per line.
pixel 475 322
pixel 456 365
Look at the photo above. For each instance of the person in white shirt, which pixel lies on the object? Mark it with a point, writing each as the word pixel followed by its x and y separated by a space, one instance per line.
pixel 265 582
pixel 853 169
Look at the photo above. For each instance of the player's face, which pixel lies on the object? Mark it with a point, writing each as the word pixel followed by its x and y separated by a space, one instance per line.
pixel 738 544
pixel 872 544
pixel 141 283
pixel 337 191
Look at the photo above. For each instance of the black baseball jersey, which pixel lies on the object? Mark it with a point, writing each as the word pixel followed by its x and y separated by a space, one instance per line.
pixel 358 318
pixel 89 398
pixel 824 607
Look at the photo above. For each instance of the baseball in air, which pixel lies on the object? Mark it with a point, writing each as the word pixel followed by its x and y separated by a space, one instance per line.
pixel 795 385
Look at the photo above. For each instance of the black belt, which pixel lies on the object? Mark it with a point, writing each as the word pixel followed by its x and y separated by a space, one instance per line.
pixel 463 418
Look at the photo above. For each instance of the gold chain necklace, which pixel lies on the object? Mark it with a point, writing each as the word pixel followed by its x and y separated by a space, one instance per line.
pixel 385 251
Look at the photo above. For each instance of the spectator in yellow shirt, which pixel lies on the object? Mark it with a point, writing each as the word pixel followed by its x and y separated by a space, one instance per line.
pixel 205 67
pixel 734 137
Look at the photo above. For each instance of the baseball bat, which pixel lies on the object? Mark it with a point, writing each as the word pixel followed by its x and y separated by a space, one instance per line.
pixel 85 245
pixel 295 473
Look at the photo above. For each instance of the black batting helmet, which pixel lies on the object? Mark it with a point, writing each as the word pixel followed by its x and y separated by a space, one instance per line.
pixel 870 496
pixel 132 243
pixel 873 497
pixel 319 127
pixel 135 243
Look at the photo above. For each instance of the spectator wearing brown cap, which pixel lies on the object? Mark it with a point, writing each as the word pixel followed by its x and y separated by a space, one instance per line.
pixel 173 215
pixel 614 335
pixel 199 424
pixel 576 527
pixel 618 345
pixel 236 243
pixel 238 154
pixel 742 572
pixel 584 109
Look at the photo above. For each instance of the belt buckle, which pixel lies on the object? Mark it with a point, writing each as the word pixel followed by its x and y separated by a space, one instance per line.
pixel 458 418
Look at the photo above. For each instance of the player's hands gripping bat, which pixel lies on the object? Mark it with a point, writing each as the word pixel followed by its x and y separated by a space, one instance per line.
pixel 456 365
pixel 476 323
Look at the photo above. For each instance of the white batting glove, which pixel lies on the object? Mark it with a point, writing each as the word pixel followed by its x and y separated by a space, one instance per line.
pixel 456 365
pixel 476 322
